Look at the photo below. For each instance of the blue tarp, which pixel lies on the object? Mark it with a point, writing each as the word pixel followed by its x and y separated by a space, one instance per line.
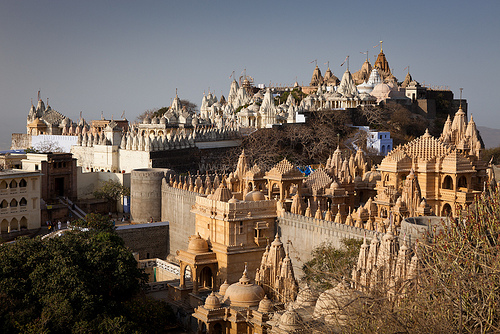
pixel 306 171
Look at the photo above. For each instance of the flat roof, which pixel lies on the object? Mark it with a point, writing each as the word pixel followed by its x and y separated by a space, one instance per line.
pixel 133 226
pixel 18 172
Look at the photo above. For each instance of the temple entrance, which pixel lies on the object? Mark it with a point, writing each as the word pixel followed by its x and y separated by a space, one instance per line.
pixel 206 278
pixel 59 186
pixel 218 328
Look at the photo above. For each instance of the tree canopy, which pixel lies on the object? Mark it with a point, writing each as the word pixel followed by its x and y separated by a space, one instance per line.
pixel 111 191
pixel 330 264
pixel 159 112
pixel 81 282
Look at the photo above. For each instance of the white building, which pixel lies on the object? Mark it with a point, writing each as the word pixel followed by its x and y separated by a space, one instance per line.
pixel 19 201
pixel 381 141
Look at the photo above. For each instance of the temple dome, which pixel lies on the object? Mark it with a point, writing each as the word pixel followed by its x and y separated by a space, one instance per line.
pixel 146 120
pixel 223 288
pixel 265 305
pixel 233 200
pixel 290 321
pixel 332 304
pixel 212 302
pixel 244 293
pixel 222 193
pixel 197 244
pixel 306 297
pixel 254 196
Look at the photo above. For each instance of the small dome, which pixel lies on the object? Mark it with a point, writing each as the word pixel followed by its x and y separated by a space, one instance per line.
pixel 233 200
pixel 146 120
pixel 244 293
pixel 223 288
pixel 254 196
pixel 222 193
pixel 334 302
pixel 290 321
pixel 381 89
pixel 212 302
pixel 265 305
pixel 163 120
pixel 197 244
pixel 306 297
pixel 155 120
pixel 334 185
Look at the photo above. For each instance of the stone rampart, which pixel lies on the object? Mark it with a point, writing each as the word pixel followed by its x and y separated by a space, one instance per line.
pixel 305 234
pixel 176 209
pixel 145 191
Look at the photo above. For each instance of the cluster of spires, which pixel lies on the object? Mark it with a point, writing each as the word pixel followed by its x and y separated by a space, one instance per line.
pixel 388 265
pixel 275 273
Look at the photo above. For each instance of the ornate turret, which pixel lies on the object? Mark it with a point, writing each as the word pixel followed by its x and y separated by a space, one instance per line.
pixel 317 78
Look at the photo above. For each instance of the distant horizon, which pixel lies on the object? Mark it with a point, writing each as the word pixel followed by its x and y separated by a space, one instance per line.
pixel 127 56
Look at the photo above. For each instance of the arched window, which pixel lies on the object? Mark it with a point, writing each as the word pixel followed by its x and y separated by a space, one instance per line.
pixel 3 185
pixel 13 184
pixel 4 204
pixel 382 150
pixel 448 182
pixel 22 183
pixel 24 223
pixel 13 203
pixel 462 182
pixel 23 202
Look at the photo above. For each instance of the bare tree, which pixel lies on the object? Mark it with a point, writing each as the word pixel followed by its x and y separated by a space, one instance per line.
pixel 46 146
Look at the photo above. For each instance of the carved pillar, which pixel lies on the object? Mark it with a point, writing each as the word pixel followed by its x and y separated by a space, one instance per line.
pixel 194 277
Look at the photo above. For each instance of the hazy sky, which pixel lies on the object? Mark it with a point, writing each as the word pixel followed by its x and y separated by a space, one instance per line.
pixel 111 56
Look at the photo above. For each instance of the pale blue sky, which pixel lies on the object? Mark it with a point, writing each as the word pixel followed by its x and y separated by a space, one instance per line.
pixel 112 56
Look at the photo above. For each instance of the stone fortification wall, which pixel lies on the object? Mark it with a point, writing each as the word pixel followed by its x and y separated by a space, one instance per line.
pixel 176 209
pixel 149 240
pixel 306 233
pixel 145 192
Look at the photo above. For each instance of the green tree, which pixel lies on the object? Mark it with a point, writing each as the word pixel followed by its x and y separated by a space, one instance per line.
pixel 80 282
pixel 96 222
pixel 492 154
pixel 457 289
pixel 329 264
pixel 159 112
pixel 112 191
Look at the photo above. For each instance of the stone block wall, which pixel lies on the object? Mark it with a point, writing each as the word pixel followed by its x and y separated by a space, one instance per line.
pixel 306 233
pixel 149 240
pixel 176 209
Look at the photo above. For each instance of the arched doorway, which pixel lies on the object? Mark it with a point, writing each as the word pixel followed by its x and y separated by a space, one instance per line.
pixel 4 226
pixel 446 210
pixel 206 278
pixel 217 328
pixel 187 275
pixel 462 182
pixel 24 223
pixel 448 182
